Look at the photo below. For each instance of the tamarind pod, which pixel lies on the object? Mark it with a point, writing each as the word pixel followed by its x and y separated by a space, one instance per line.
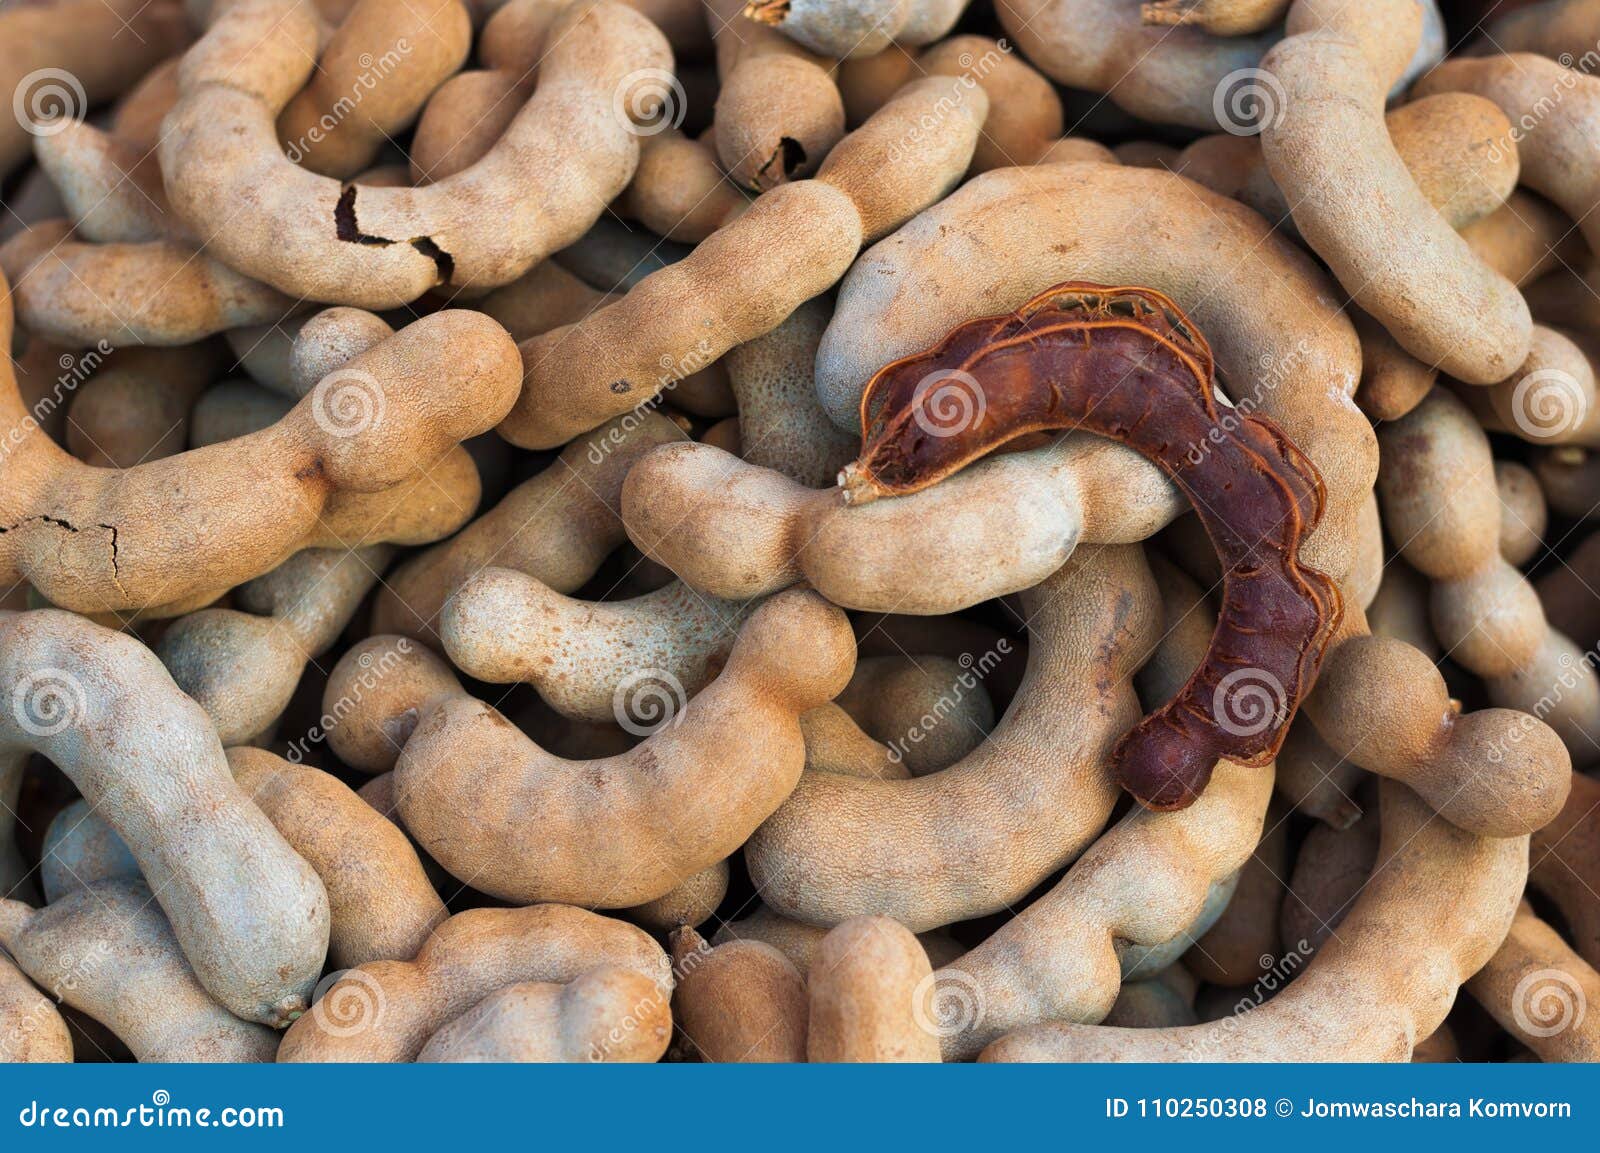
pixel 861 28
pixel 1393 382
pixel 795 242
pixel 835 743
pixel 1539 990
pixel 742 1001
pixel 376 694
pixel 387 1010
pixel 381 247
pixel 867 82
pixel 161 533
pixel 690 903
pixel 1525 239
pixel 155 292
pixel 736 531
pixel 136 118
pixel 866 987
pixel 1160 74
pixel 1523 515
pixel 394 56
pixel 1438 906
pixel 80 849
pixel 31 1027
pixel 1400 610
pixel 504 626
pixel 1125 363
pixel 1568 29
pixel 1149 1005
pixel 1570 477
pixel 931 711
pixel 545 296
pixel 1242 945
pixel 108 952
pixel 1566 592
pixel 1551 399
pixel 109 187
pixel 1218 17
pixel 1025 117
pixel 741 732
pixel 1565 865
pixel 1140 890
pixel 1494 772
pixel 678 191
pixel 613 258
pixel 997 655
pixel 1396 255
pixel 328 341
pixel 781 425
pixel 607 1014
pixel 1329 873
pixel 556 527
pixel 957 844
pixel 778 112
pixel 251 915
pixel 799 942
pixel 135 407
pixel 105 48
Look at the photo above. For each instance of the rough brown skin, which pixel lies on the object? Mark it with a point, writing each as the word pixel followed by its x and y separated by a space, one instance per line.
pixel 386 1011
pixel 31 1028
pixel 1218 17
pixel 1541 992
pixel 742 1001
pixel 870 986
pixel 136 406
pixel 1243 943
pixel 1565 859
pixel 1127 364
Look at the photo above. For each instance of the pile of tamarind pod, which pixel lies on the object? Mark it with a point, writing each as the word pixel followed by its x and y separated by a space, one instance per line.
pixel 820 530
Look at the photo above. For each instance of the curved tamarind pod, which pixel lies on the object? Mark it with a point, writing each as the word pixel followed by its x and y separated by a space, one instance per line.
pixel 1286 352
pixel 781 425
pixel 1554 108
pixel 1329 873
pixel 108 952
pixel 836 744
pixel 1494 773
pixel 742 733
pixel 743 1001
pixel 105 48
pixel 584 657
pixel 859 28
pixel 1241 946
pixel 1565 858
pixel 799 942
pixel 1440 501
pixel 778 112
pixel 1436 909
pixel 1567 593
pixel 736 531
pixel 391 56
pixel 383 906
pixel 1540 992
pixel 930 711
pixel 692 902
pixel 381 247
pixel 556 527
pixel 376 694
pixel 81 849
pixel 801 236
pixel 251 915
pixel 678 191
pixel 1141 889
pixel 607 1014
pixel 328 341
pixel 957 844
pixel 867 987
pixel 1218 17
pixel 243 664
pixel 31 1028
pixel 1025 117
pixel 99 540
pixel 1523 515
pixel 136 405
pixel 1127 364
pixel 387 1010
pixel 1396 255
pixel 150 293
pixel 110 187
pixel 1166 75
